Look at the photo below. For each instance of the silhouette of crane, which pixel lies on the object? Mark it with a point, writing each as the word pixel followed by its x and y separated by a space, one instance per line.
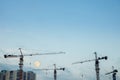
pixel 55 70
pixel 114 72
pixel 96 64
pixel 21 60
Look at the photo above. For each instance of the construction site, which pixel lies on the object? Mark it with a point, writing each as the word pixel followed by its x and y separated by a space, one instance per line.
pixel 31 74
pixel 59 39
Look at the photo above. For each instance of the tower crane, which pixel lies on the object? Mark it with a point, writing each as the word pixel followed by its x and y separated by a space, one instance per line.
pixel 21 56
pixel 96 64
pixel 55 71
pixel 113 73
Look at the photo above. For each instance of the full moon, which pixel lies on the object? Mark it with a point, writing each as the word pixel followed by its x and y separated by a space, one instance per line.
pixel 37 63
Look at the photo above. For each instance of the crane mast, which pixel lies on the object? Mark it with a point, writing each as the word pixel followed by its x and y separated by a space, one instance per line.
pixel 55 71
pixel 97 69
pixel 21 65
pixel 21 60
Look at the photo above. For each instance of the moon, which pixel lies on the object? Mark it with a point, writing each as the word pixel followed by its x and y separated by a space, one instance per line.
pixel 37 64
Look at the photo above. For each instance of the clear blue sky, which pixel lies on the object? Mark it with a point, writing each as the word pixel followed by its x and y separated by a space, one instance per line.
pixel 78 27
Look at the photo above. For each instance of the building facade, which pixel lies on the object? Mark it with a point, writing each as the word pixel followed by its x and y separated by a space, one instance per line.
pixel 15 75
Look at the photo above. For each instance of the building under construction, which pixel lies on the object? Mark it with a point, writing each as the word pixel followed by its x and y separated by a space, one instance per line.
pixel 14 75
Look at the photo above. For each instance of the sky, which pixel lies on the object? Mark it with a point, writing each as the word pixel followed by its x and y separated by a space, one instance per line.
pixel 79 28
